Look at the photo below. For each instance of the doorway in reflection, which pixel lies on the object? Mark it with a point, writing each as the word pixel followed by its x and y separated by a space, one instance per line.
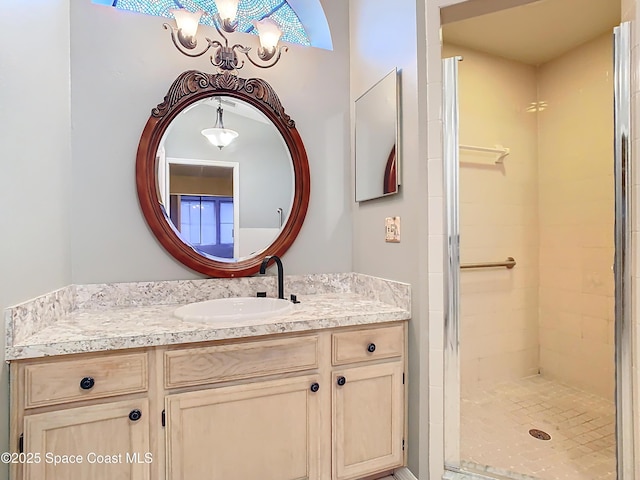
pixel 203 205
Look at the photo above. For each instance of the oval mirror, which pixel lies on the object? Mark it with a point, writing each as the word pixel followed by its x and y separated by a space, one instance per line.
pixel 222 174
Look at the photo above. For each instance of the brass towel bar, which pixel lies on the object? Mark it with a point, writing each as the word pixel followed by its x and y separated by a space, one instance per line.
pixel 508 263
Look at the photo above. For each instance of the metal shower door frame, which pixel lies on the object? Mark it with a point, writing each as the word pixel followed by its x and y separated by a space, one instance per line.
pixel 623 253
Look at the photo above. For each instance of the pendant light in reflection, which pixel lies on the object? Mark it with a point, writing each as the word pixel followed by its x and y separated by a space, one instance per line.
pixel 218 135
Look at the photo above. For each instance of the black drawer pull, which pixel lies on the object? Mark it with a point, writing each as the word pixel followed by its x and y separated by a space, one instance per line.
pixel 315 387
pixel 341 381
pixel 135 415
pixel 87 383
pixel 371 348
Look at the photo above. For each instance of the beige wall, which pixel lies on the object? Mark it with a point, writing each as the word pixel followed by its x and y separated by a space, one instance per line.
pixel 498 218
pixel 576 207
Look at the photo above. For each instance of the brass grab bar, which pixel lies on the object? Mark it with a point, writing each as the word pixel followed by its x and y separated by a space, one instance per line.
pixel 510 262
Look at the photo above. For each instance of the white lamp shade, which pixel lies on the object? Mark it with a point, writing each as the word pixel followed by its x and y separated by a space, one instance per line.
pixel 220 137
pixel 227 9
pixel 269 33
pixel 187 21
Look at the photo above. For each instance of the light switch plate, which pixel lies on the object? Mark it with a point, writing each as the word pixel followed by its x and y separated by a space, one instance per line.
pixel 392 229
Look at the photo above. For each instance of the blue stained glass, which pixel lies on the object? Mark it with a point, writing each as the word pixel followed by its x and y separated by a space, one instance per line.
pixel 248 10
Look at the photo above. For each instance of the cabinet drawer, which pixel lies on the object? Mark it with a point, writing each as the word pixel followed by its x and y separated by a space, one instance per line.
pixel 365 345
pixel 198 366
pixel 84 379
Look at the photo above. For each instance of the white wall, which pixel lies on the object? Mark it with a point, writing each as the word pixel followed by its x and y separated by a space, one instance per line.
pixel 374 52
pixel 122 65
pixel 35 172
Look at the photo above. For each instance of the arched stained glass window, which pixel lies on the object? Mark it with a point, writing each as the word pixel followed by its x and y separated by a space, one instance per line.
pixel 248 10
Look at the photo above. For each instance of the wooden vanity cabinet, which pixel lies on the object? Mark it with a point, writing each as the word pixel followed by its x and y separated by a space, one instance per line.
pixel 84 416
pixel 97 442
pixel 316 406
pixel 268 430
pixel 255 412
pixel 368 401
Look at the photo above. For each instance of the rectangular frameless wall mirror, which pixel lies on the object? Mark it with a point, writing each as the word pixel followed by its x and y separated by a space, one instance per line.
pixel 377 133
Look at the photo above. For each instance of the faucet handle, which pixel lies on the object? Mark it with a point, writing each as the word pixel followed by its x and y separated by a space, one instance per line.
pixel 294 298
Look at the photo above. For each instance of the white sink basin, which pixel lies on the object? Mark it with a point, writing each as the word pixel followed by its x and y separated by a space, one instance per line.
pixel 233 309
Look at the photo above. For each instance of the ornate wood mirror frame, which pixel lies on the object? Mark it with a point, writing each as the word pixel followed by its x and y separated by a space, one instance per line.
pixel 190 87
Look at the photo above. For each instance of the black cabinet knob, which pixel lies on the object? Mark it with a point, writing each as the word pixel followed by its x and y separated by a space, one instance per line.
pixel 341 381
pixel 87 383
pixel 315 387
pixel 135 415
pixel 371 348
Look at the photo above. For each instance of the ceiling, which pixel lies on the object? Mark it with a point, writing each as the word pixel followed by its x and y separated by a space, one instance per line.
pixel 536 32
pixel 238 107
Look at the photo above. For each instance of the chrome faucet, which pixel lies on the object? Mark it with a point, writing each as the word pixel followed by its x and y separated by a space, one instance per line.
pixel 263 269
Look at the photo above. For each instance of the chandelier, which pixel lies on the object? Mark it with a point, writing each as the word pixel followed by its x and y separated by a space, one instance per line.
pixel 225 57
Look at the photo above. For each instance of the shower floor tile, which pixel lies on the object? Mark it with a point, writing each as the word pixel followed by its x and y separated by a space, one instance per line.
pixel 495 424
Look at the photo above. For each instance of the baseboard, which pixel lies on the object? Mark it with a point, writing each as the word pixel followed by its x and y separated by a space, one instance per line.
pixel 404 474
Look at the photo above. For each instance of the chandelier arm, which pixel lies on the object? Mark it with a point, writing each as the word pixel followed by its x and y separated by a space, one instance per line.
pixel 241 48
pixel 275 58
pixel 226 40
pixel 178 45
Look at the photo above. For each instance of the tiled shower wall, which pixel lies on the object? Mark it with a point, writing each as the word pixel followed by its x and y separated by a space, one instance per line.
pixel 576 210
pixel 550 205
pixel 498 218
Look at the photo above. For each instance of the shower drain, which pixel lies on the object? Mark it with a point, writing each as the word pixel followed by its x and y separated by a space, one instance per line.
pixel 539 434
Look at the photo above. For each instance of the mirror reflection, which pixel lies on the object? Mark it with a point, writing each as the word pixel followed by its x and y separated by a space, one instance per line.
pixel 376 149
pixel 227 200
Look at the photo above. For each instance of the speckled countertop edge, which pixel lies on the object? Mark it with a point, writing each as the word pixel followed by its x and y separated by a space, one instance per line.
pixel 332 301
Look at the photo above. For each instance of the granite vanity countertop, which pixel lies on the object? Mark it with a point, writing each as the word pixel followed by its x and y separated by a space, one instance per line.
pixel 93 330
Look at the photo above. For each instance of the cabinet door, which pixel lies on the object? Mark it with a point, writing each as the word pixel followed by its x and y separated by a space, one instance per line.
pixel 106 442
pixel 368 420
pixel 262 431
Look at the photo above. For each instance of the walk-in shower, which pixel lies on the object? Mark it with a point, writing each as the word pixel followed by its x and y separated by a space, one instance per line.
pixel 522 399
